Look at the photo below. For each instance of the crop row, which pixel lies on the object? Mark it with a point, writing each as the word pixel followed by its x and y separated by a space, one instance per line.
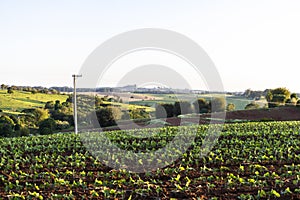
pixel 248 161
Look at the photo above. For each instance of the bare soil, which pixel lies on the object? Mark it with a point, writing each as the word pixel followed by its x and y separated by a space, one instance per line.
pixel 271 114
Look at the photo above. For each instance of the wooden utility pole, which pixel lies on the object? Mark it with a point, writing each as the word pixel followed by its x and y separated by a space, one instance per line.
pixel 75 102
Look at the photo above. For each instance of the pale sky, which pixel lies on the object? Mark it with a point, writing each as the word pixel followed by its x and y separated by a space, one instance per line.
pixel 253 43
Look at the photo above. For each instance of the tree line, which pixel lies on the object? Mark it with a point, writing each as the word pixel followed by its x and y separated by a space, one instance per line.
pixel 33 90
pixel 201 105
pixel 58 116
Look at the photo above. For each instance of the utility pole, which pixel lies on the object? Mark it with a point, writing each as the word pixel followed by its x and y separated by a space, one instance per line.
pixel 75 102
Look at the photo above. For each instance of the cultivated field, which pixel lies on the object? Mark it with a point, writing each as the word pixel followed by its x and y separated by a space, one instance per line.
pixel 257 160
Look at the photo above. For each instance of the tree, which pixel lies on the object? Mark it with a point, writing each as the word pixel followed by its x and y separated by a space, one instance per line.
pixel 298 103
pixel 6 129
pixel 47 126
pixel 61 125
pixel 293 100
pixel 283 91
pixel 27 120
pixel 54 91
pixel 6 126
pixel 218 104
pixel 23 131
pixel 6 119
pixel 294 95
pixel 34 91
pixel 269 96
pixel 277 97
pixel 10 90
pixel 45 91
pixel 253 94
pixel 57 105
pixel 230 107
pixel 98 101
pixel 40 114
pixel 61 111
pixel 164 110
pixel 3 87
pixel 247 93
pixel 138 113
pixel 108 116
pixel 70 99
pixel 13 87
pixel 252 106
pixel 201 106
pixel 49 105
pixel 182 107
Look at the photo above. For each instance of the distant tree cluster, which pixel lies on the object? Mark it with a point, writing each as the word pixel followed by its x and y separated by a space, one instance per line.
pixel 275 97
pixel 11 126
pixel 254 95
pixel 278 97
pixel 201 105
pixel 108 110
pixel 33 90
pixel 55 116
pixel 60 113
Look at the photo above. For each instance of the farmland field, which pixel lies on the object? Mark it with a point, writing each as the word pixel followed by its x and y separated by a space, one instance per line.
pixel 20 100
pixel 239 102
pixel 257 160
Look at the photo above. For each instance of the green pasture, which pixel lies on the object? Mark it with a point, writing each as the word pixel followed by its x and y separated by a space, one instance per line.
pixel 127 106
pixel 19 100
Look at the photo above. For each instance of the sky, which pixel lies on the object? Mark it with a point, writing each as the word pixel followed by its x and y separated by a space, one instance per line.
pixel 253 43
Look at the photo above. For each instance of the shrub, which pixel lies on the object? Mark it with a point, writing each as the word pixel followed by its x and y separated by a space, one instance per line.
pixel 6 129
pixel 251 106
pixel 23 131
pixel 47 126
pixel 61 125
pixel 45 131
pixel 230 107
pixel 138 113
pixel 108 116
pixel 27 120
